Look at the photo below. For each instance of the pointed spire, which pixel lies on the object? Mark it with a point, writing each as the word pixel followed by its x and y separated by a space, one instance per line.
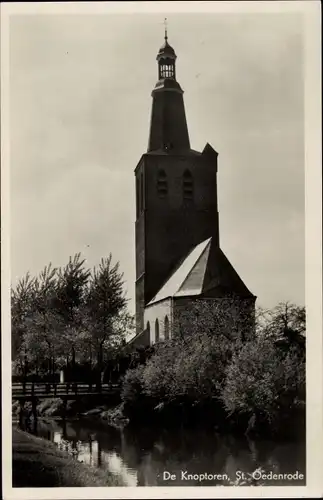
pixel 168 127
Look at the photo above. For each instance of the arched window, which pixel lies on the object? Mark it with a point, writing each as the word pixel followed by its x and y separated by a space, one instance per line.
pixel 167 70
pixel 166 328
pixel 188 186
pixel 148 330
pixel 162 184
pixel 156 331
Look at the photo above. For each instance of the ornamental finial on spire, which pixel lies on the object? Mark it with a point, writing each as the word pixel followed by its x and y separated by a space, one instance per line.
pixel 166 51
pixel 165 24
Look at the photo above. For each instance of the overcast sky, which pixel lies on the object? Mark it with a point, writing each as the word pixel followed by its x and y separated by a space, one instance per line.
pixel 79 116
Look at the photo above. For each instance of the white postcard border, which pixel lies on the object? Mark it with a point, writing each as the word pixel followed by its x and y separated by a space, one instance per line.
pixel 313 202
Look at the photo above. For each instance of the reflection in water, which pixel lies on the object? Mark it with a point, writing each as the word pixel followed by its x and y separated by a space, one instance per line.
pixel 141 457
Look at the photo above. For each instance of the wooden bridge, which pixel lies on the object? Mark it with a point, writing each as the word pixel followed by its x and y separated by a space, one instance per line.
pixel 34 391
pixel 71 390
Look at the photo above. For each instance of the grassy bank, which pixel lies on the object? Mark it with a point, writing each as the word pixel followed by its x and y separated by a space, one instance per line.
pixel 38 463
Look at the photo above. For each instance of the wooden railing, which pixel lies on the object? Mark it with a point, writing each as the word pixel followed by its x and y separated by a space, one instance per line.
pixel 47 389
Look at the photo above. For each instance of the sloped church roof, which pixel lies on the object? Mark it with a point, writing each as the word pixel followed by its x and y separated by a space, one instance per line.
pixel 205 271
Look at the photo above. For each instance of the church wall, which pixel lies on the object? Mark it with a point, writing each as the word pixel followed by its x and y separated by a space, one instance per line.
pixel 140 245
pixel 204 176
pixel 140 304
pixel 158 311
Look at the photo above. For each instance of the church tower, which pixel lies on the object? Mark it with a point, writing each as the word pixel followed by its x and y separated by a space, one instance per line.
pixel 176 189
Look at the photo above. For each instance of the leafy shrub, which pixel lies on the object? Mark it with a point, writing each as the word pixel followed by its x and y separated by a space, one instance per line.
pixel 132 388
pixel 263 383
pixel 159 373
pixel 51 407
pixel 189 371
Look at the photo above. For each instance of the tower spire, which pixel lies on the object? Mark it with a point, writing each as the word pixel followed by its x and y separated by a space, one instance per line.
pixel 168 127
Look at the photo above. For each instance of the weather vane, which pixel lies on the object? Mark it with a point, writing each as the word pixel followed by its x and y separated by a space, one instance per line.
pixel 165 24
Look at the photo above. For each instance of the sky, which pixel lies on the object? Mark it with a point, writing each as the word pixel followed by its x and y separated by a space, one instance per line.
pixel 80 102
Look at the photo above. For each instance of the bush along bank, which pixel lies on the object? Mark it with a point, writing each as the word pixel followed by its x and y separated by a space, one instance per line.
pixel 53 408
pixel 252 387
